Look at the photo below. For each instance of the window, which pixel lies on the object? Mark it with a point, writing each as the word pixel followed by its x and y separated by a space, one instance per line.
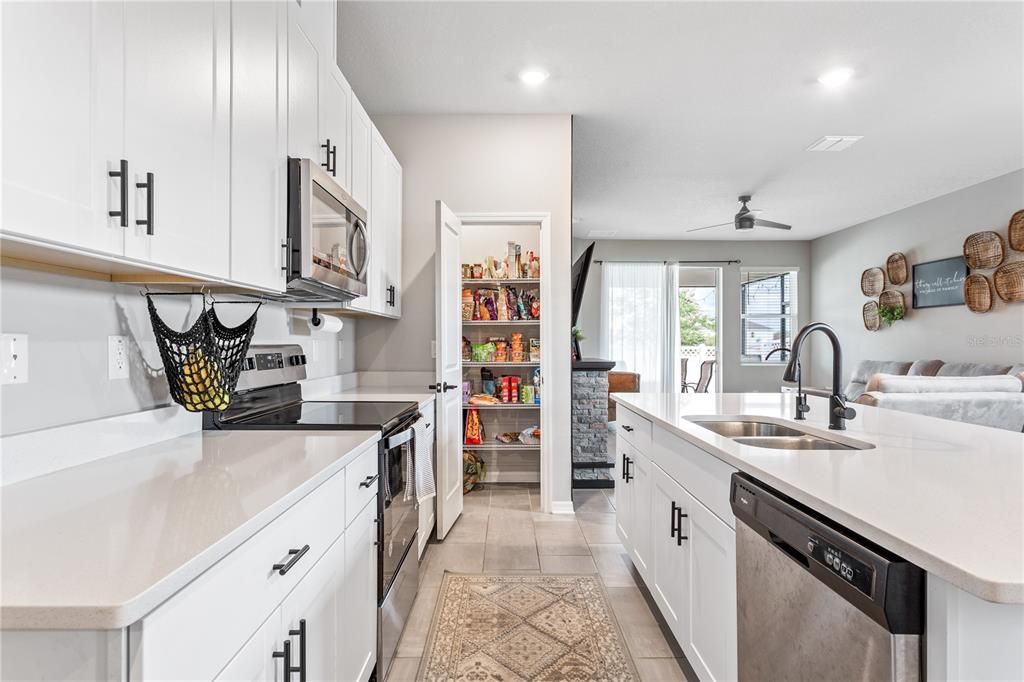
pixel 767 314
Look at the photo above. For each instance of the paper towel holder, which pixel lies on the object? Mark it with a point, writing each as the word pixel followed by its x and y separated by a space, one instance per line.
pixel 316 318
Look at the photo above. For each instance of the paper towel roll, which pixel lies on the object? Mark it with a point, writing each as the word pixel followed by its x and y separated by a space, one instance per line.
pixel 326 324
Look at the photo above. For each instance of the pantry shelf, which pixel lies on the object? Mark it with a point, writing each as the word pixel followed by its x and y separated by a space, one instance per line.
pixel 467 282
pixel 504 406
pixel 467 363
pixel 501 446
pixel 489 323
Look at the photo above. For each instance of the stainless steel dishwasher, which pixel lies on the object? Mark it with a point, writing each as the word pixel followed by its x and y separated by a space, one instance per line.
pixel 817 602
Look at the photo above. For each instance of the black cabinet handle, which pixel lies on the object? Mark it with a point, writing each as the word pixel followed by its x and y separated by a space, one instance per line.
pixel 628 469
pixel 286 654
pixel 334 160
pixel 624 472
pixel 123 174
pixel 679 516
pixel 331 164
pixel 301 634
pixel 294 556
pixel 391 295
pixel 627 428
pixel 675 520
pixel 284 259
pixel 369 481
pixel 148 186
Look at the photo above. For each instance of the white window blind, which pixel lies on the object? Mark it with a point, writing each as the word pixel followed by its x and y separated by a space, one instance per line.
pixel 768 314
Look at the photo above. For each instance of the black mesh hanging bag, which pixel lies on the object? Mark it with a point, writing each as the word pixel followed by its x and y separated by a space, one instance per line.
pixel 202 363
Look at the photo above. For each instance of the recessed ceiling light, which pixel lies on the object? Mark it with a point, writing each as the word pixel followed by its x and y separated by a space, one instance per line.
pixel 837 77
pixel 533 76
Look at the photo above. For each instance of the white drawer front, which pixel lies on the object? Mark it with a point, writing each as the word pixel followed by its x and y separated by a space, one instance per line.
pixel 702 474
pixel 360 483
pixel 633 428
pixel 193 634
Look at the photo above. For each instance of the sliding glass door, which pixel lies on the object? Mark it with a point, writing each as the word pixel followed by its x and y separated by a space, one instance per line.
pixel 699 332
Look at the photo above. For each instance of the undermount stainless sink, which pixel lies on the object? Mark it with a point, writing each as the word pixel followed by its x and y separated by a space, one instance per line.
pixel 744 429
pixel 794 443
pixel 762 434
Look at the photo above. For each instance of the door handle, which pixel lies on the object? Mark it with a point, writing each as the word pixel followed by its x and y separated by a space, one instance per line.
pixel 123 175
pixel 294 556
pixel 448 387
pixel 148 186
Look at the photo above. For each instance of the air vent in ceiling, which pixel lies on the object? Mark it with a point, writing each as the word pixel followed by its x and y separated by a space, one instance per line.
pixel 602 234
pixel 834 143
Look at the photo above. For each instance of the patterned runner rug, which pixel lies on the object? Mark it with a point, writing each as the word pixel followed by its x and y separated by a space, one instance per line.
pixel 518 628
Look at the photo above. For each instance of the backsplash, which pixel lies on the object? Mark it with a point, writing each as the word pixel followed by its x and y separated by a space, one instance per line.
pixel 68 320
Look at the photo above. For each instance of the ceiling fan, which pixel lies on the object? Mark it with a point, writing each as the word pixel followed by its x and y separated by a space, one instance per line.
pixel 747 219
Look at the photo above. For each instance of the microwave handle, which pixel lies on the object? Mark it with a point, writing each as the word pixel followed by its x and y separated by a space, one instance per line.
pixel 361 229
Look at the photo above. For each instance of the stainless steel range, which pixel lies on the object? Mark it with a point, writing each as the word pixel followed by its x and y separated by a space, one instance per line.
pixel 270 397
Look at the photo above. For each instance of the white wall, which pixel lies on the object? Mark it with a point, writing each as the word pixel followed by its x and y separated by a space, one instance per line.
pixel 486 164
pixel 928 231
pixel 783 254
pixel 68 320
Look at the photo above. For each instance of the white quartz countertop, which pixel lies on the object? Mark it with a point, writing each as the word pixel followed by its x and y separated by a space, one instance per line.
pixel 945 495
pixel 416 394
pixel 98 546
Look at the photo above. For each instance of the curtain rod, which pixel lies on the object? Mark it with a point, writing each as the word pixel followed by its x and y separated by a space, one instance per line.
pixel 680 262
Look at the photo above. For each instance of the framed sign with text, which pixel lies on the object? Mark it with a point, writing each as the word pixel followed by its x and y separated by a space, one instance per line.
pixel 940 283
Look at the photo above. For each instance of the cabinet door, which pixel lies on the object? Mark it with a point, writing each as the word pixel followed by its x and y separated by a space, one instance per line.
pixel 177 127
pixel 640 497
pixel 711 647
pixel 357 651
pixel 258 142
pixel 335 108
pixel 318 19
pixel 393 269
pixel 303 91
pixel 309 615
pixel 63 90
pixel 255 661
pixel 670 577
pixel 623 496
pixel 378 226
pixel 359 150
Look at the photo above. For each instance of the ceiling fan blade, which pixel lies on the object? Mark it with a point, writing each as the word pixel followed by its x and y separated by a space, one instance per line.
pixel 770 223
pixel 708 227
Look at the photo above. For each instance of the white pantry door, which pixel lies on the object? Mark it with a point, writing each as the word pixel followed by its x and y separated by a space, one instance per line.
pixel 449 369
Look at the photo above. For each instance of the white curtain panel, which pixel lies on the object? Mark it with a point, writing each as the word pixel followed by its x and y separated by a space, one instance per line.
pixel 640 322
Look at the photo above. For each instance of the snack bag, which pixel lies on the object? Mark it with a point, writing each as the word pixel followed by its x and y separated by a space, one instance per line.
pixel 474 429
pixel 467 304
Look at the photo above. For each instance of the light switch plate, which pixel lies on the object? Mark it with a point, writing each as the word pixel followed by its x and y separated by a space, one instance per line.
pixel 14 359
pixel 117 357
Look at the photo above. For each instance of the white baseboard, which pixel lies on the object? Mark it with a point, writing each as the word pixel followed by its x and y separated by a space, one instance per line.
pixel 562 507
pixel 27 455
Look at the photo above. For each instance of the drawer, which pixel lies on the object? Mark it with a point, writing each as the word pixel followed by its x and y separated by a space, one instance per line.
pixel 193 634
pixel 360 484
pixel 702 474
pixel 633 428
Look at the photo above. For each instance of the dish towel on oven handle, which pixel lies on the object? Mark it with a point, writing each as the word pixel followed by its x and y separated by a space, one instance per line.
pixel 420 461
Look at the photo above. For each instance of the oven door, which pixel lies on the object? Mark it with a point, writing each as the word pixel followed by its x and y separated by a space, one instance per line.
pixel 400 510
pixel 327 230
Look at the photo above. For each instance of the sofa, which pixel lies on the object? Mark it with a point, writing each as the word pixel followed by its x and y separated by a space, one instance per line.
pixel 977 393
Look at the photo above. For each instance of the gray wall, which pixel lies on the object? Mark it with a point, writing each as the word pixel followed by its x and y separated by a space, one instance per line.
pixel 932 230
pixel 735 376
pixel 68 320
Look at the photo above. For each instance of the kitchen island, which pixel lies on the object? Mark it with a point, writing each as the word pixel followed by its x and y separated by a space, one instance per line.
pixel 946 496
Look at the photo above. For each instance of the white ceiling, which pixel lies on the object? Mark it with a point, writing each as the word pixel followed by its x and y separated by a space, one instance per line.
pixel 679 107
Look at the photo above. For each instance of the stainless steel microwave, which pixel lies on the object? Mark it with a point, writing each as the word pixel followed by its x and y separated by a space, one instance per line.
pixel 328 245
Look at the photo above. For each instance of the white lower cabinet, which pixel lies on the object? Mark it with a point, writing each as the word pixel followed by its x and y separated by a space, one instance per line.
pixel 254 663
pixel 357 643
pixel 684 552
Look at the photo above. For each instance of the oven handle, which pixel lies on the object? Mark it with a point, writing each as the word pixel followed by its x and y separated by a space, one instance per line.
pixel 398 439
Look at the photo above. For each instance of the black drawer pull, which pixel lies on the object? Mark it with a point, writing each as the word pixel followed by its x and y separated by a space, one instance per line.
pixel 675 520
pixel 294 556
pixel 627 428
pixel 679 525
pixel 123 174
pixel 628 469
pixel 301 634
pixel 369 481
pixel 148 186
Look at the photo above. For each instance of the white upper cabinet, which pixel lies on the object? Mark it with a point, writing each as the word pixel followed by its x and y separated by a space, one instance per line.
pixel 177 106
pixel 335 108
pixel 303 90
pixel 393 269
pixel 359 146
pixel 259 41
pixel 63 100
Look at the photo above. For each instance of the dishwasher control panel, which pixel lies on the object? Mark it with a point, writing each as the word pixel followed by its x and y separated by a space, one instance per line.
pixel 847 567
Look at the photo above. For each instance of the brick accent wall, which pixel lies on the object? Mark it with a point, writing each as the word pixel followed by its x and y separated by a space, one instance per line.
pixel 590 422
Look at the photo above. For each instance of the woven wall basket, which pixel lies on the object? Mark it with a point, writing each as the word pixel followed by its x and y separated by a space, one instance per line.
pixel 896 268
pixel 1009 281
pixel 977 293
pixel 872 322
pixel 892 299
pixel 872 281
pixel 984 250
pixel 1016 231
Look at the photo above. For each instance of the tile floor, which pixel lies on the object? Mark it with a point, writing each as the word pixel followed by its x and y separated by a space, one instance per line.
pixel 502 530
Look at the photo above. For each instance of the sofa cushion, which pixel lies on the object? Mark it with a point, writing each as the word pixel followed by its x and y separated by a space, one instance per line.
pixel 925 368
pixel 1017 371
pixel 999 410
pixel 887 383
pixel 865 368
pixel 971 369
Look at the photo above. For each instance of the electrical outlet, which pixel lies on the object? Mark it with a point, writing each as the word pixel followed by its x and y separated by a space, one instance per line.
pixel 14 359
pixel 117 357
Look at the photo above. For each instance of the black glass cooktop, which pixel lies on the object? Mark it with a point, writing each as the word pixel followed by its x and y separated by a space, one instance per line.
pixel 352 416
